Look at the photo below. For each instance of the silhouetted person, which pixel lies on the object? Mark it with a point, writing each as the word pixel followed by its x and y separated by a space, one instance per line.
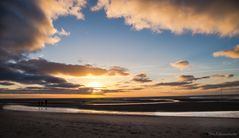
pixel 46 102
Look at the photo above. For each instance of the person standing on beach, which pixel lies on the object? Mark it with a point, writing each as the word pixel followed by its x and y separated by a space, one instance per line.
pixel 46 102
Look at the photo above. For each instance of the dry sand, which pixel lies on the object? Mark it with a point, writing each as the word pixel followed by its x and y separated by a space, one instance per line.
pixel 56 125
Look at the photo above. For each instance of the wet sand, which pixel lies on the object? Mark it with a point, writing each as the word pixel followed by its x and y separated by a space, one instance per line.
pixel 55 125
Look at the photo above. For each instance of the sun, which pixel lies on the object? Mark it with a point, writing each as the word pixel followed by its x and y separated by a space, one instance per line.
pixel 94 85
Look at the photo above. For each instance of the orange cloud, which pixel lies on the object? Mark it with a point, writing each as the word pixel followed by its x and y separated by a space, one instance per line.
pixel 142 77
pixel 206 17
pixel 233 53
pixel 116 70
pixel 181 64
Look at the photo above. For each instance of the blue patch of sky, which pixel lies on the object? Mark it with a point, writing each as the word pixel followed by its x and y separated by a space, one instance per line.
pixel 107 42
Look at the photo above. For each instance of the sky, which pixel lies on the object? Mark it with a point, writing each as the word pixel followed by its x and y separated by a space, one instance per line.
pixel 118 48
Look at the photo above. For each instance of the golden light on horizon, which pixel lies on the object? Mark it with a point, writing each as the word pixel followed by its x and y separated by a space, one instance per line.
pixel 96 85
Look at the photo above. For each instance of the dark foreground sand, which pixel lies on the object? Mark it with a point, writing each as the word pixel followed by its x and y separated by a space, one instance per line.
pixel 56 125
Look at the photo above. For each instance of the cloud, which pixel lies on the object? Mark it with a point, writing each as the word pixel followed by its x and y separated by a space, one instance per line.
pixel 178 16
pixel 44 90
pixel 181 64
pixel 176 83
pixel 192 86
pixel 63 32
pixel 23 77
pixel 233 53
pixel 6 83
pixel 186 78
pixel 192 78
pixel 112 90
pixel 185 82
pixel 142 78
pixel 40 72
pixel 116 70
pixel 120 90
pixel 221 85
pixel 27 25
pixel 221 76
pixel 47 67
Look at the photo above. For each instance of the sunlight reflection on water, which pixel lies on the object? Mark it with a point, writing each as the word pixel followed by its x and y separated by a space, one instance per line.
pixel 224 114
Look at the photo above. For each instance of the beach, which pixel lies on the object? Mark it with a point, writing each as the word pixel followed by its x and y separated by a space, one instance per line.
pixel 55 125
pixel 73 118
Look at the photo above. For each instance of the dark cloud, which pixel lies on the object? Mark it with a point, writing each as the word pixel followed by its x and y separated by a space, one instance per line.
pixel 20 26
pixel 186 78
pixel 6 83
pixel 15 75
pixel 39 71
pixel 27 25
pixel 45 90
pixel 221 85
pixel 120 90
pixel 142 78
pixel 63 85
pixel 192 78
pixel 176 83
pixel 47 67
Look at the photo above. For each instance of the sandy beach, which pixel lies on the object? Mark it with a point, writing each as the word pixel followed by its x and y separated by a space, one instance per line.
pixel 38 124
pixel 55 125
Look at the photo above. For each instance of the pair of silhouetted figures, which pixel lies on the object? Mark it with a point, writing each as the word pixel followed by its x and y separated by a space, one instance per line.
pixel 42 103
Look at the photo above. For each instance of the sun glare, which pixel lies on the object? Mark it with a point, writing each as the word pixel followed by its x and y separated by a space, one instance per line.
pixel 94 85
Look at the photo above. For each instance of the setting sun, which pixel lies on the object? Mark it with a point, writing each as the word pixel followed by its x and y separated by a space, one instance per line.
pixel 94 85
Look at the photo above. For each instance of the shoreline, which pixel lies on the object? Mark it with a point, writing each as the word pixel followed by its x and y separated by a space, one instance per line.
pixel 201 114
pixel 143 105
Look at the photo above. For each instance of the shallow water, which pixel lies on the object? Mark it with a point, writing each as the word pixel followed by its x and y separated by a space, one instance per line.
pixel 223 114
pixel 135 103
pixel 140 102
